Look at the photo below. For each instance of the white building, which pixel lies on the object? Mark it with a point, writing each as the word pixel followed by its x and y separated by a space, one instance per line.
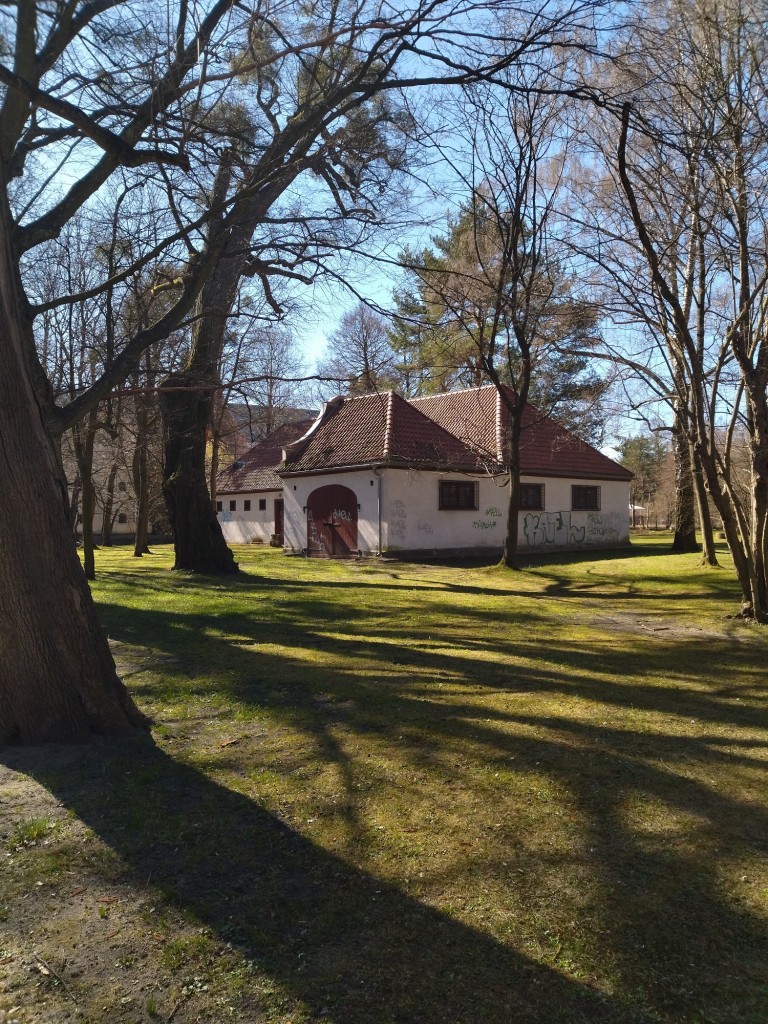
pixel 381 474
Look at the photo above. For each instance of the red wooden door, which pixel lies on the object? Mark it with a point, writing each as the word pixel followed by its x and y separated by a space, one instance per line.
pixel 332 521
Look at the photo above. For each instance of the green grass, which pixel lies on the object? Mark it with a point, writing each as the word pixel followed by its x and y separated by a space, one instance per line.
pixel 445 793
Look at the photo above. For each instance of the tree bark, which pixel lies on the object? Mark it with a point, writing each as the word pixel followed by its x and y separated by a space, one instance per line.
pixel 109 505
pixel 709 552
pixel 685 495
pixel 509 554
pixel 83 436
pixel 58 681
pixel 199 544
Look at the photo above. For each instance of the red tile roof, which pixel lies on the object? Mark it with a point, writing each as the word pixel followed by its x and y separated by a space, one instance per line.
pixel 458 430
pixel 480 419
pixel 381 429
pixel 256 469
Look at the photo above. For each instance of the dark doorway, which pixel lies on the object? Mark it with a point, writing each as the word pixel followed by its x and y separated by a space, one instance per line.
pixel 279 519
pixel 332 522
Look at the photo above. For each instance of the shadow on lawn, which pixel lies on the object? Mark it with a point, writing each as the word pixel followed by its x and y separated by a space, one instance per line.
pixel 662 910
pixel 350 946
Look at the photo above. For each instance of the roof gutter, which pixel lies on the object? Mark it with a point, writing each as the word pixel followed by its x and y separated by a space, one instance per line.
pixel 377 474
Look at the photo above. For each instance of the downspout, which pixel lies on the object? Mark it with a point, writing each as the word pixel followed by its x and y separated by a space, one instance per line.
pixel 377 474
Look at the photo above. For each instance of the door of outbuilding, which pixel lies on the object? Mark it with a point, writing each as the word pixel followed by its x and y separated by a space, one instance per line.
pixel 332 522
pixel 279 518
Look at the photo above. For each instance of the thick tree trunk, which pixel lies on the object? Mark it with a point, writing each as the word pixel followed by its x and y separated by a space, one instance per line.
pixel 58 681
pixel 186 403
pixel 198 541
pixel 685 494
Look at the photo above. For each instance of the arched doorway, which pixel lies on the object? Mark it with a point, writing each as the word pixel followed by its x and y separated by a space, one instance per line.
pixel 332 522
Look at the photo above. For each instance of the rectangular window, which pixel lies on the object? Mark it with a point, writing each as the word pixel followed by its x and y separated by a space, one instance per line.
pixel 585 498
pixel 459 494
pixel 122 518
pixel 246 505
pixel 219 506
pixel 233 506
pixel 532 497
pixel 262 504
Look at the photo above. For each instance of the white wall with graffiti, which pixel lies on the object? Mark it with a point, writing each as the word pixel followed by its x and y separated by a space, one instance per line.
pixel 414 521
pixel 559 525
pixel 399 511
pixel 296 491
pixel 247 522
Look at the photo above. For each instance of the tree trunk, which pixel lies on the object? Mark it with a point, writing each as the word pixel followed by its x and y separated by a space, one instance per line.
pixel 214 468
pixel 198 541
pixel 186 403
pixel 709 553
pixel 141 488
pixel 140 461
pixel 685 495
pixel 509 555
pixel 89 510
pixel 109 505
pixel 58 681
pixel 74 505
pixel 83 435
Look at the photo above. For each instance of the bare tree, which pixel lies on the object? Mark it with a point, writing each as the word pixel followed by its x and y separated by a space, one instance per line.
pixel 359 358
pixel 682 235
pixel 77 113
pixel 494 291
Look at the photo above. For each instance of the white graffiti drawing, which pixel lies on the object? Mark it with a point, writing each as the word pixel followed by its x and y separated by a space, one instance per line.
pixel 552 528
pixel 342 514
pixel 314 538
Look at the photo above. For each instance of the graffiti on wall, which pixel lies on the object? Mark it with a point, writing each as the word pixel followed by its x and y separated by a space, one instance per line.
pixel 556 529
pixel 489 523
pixel 398 519
pixel 552 528
pixel 316 541
pixel 602 529
pixel 424 528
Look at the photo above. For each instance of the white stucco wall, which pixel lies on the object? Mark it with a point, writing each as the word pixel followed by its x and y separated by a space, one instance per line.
pixel 414 521
pixel 252 527
pixel 411 519
pixel 558 526
pixel 296 491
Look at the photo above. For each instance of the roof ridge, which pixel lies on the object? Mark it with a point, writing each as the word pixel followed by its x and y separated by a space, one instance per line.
pixel 444 394
pixel 388 418
pixel 500 453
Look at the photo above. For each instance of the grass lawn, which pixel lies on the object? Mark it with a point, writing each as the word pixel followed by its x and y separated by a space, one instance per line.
pixel 383 792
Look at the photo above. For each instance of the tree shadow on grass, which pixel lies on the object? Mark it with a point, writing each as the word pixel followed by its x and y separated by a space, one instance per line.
pixel 339 937
pixel 350 946
pixel 663 909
